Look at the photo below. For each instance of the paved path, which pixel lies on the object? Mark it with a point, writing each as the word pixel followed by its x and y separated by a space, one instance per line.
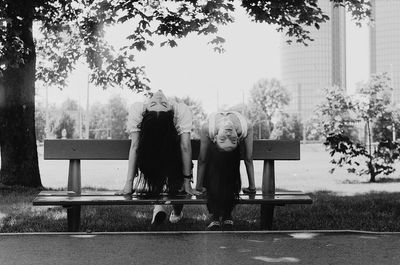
pixel 201 248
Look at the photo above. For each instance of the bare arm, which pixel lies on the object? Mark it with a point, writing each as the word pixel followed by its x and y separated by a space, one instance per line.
pixel 132 165
pixel 186 150
pixel 202 159
pixel 248 156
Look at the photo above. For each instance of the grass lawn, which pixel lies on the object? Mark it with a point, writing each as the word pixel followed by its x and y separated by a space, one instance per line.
pixel 341 201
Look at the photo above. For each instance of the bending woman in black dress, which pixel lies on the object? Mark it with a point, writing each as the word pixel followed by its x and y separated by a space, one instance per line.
pixel 160 154
pixel 219 164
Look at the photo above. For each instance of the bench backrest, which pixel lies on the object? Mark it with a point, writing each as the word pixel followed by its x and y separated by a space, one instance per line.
pixel 77 150
pixel 119 149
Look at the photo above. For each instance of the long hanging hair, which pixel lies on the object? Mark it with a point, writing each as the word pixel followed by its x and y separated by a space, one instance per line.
pixel 223 177
pixel 159 156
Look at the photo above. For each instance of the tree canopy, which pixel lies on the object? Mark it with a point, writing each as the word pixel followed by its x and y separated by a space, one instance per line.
pixel 74 30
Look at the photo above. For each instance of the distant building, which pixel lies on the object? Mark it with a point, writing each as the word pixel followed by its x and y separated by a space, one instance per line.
pixel 306 70
pixel 385 42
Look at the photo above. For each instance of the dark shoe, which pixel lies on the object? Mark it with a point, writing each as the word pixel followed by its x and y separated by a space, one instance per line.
pixel 249 190
pixel 227 225
pixel 214 226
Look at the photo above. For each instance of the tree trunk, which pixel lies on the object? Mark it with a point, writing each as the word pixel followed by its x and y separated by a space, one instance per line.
pixel 19 159
pixel 371 168
pixel 372 171
pixel 372 178
pixel 268 130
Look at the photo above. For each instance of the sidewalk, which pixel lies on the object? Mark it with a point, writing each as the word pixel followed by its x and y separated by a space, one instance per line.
pixel 292 247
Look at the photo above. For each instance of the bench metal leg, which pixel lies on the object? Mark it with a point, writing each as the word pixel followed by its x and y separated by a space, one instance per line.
pixel 74 218
pixel 267 216
pixel 268 188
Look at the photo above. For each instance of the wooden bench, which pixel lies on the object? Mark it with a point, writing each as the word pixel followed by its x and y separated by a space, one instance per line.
pixel 77 150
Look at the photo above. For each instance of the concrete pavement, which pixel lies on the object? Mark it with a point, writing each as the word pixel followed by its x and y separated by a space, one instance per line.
pixel 190 248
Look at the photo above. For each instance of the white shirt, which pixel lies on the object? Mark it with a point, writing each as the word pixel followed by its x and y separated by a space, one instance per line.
pixel 182 117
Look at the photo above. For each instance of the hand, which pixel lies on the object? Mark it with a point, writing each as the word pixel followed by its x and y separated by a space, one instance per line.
pixel 187 186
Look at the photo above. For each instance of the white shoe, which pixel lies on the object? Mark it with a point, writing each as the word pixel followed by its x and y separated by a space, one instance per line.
pixel 173 218
pixel 159 214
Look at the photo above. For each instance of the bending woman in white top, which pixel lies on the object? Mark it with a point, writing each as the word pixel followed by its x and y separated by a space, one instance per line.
pixel 160 150
pixel 219 164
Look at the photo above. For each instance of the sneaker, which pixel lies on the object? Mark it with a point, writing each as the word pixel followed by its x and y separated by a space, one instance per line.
pixel 159 215
pixel 227 225
pixel 214 226
pixel 173 218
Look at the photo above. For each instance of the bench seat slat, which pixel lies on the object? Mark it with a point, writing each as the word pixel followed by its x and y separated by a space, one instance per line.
pixel 181 199
pixel 112 192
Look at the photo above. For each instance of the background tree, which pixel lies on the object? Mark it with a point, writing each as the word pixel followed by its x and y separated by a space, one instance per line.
pixel 287 127
pixel 383 126
pixel 283 128
pixel 314 130
pixel 54 115
pixel 241 108
pixel 73 30
pixel 71 114
pixel 267 98
pixel 199 116
pixel 65 122
pixel 340 113
pixel 118 115
pixel 297 127
pixel 99 121
pixel 70 105
pixel 40 122
pixel 337 114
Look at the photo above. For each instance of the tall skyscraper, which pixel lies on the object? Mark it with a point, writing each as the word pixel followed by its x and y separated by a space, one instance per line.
pixel 385 42
pixel 307 70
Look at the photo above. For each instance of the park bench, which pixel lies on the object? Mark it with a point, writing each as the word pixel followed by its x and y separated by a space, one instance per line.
pixel 77 150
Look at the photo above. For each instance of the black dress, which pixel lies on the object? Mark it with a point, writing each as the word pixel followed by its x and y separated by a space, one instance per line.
pixel 222 180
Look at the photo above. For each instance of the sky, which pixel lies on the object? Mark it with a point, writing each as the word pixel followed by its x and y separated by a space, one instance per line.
pixel 194 69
